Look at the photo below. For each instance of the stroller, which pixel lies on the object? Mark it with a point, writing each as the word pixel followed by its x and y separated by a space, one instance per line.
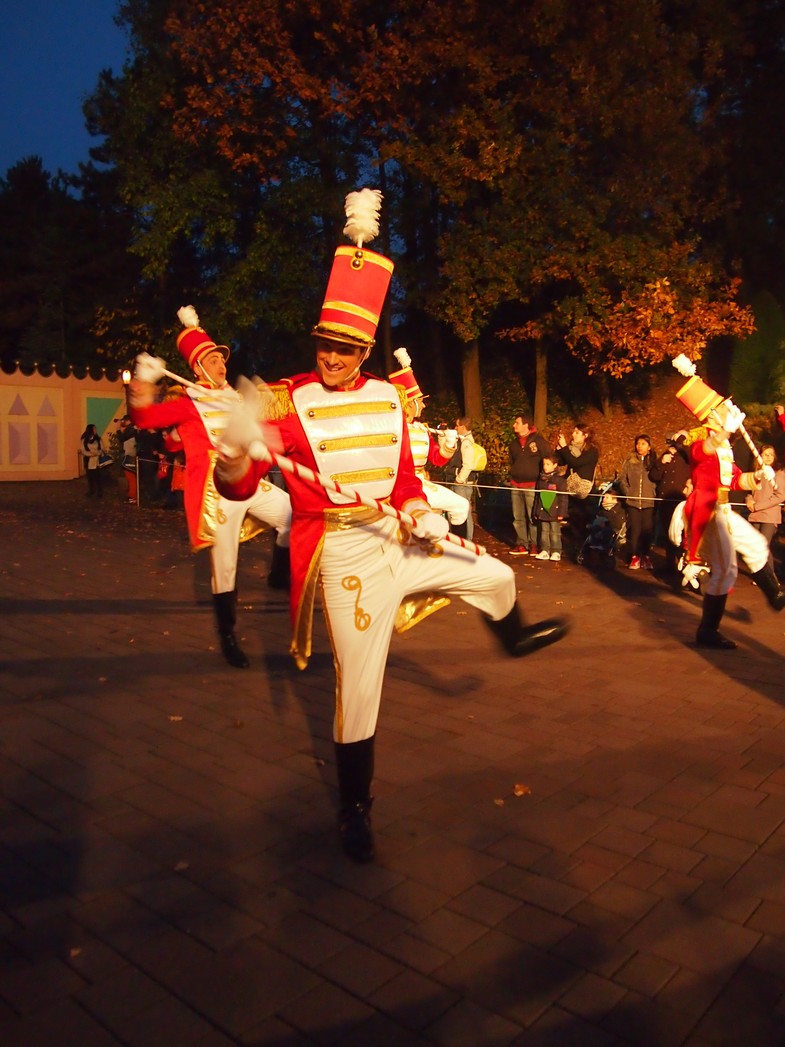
pixel 606 531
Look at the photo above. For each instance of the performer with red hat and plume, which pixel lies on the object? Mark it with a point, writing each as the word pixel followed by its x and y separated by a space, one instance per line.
pixel 199 415
pixel 375 574
pixel 426 449
pixel 715 534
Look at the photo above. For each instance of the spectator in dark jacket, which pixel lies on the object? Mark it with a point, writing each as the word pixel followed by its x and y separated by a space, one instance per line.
pixel 640 493
pixel 526 454
pixel 581 455
pixel 670 474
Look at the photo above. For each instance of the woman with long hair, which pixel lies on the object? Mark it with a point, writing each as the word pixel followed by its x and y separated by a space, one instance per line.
pixel 581 456
pixel 640 492
pixel 91 448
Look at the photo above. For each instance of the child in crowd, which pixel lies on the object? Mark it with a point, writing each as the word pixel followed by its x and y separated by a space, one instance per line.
pixel 550 508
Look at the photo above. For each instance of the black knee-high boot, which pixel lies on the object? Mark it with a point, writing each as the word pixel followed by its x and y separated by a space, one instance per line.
pixel 708 634
pixel 225 605
pixel 769 585
pixel 354 763
pixel 280 573
pixel 518 639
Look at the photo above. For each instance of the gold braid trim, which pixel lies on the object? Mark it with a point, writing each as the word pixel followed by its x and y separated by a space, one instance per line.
pixel 280 405
pixel 300 648
pixel 695 436
pixel 416 607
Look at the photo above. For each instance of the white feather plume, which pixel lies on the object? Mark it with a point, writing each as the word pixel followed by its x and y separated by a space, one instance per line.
pixel 684 365
pixel 362 215
pixel 186 314
pixel 402 356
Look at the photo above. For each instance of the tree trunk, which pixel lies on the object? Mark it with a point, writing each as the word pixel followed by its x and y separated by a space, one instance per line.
pixel 472 388
pixel 540 385
pixel 605 394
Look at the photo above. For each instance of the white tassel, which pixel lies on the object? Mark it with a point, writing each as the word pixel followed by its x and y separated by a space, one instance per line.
pixel 402 356
pixel 186 314
pixel 362 214
pixel 684 365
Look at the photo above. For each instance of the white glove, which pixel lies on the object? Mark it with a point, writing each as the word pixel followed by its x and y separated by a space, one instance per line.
pixel 244 433
pixel 149 368
pixel 450 437
pixel 430 525
pixel 765 473
pixel 730 416
pixel 691 574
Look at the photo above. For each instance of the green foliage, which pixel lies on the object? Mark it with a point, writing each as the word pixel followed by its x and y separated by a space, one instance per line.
pixel 758 368
pixel 503 399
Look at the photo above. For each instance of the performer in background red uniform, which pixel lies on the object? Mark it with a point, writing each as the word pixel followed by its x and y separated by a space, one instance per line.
pixel 214 522
pixel 374 575
pixel 715 534
pixel 427 450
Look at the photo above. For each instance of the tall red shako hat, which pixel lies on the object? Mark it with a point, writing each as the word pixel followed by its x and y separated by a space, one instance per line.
pixel 405 376
pixel 193 341
pixel 696 396
pixel 359 278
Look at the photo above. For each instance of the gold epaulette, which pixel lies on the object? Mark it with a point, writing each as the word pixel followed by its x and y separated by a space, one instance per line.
pixel 401 391
pixel 695 436
pixel 277 399
pixel 174 392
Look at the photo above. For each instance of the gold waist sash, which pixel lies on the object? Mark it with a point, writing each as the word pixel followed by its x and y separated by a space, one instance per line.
pixel 341 519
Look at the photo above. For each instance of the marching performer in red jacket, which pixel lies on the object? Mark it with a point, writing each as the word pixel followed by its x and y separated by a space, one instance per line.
pixel 716 534
pixel 427 450
pixel 213 522
pixel 374 575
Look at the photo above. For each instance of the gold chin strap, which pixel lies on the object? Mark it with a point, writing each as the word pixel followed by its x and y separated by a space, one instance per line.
pixel 203 376
pixel 356 371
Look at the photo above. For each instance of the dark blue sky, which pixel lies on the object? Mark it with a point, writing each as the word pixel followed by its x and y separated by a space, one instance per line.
pixel 53 51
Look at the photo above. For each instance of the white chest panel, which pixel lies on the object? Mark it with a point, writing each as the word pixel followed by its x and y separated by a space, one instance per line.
pixel 421 444
pixel 355 435
pixel 214 409
pixel 725 459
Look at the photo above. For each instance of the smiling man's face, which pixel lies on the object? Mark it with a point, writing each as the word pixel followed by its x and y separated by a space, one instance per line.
pixel 338 363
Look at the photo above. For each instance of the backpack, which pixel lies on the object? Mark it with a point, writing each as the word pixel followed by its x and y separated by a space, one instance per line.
pixel 480 458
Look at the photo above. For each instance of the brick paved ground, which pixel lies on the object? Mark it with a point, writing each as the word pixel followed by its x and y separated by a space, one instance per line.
pixel 169 872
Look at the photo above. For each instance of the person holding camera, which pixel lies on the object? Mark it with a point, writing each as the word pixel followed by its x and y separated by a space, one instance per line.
pixel 527 451
pixel 670 474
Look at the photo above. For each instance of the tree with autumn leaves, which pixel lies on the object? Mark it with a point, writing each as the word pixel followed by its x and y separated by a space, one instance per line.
pixel 562 164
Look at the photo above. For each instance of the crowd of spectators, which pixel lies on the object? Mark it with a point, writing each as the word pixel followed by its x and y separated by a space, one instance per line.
pixel 635 499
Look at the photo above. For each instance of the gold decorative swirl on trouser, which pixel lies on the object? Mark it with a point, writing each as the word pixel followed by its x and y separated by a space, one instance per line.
pixel 362 620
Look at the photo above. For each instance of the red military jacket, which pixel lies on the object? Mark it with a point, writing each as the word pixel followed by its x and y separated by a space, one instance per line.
pixel 360 439
pixel 711 473
pixel 199 421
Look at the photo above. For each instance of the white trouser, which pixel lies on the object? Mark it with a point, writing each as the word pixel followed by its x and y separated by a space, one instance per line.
pixel 727 533
pixel 270 505
pixel 365 574
pixel 443 500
